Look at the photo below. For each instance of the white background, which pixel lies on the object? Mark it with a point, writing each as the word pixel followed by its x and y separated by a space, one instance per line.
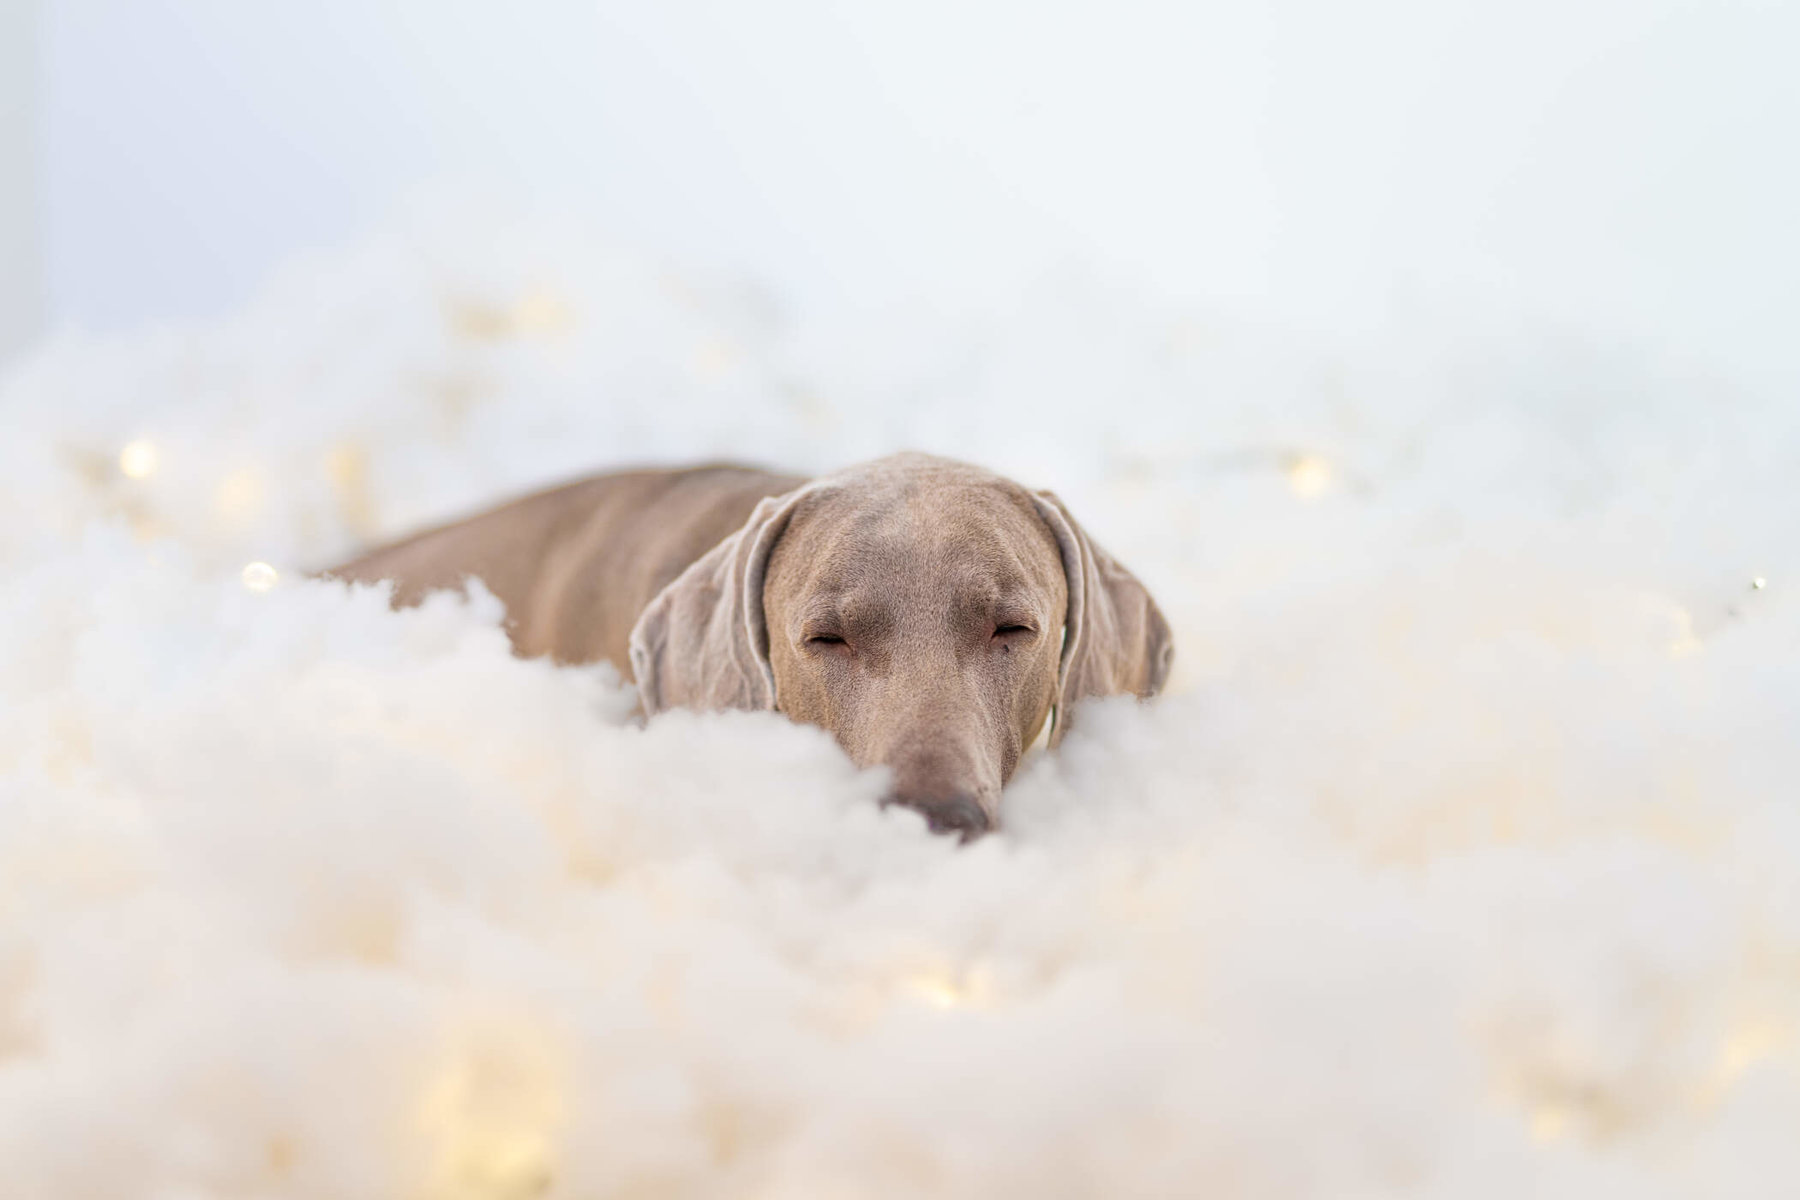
pixel 1621 164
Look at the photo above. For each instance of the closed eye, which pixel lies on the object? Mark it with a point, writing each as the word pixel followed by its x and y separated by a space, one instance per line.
pixel 1009 631
pixel 824 640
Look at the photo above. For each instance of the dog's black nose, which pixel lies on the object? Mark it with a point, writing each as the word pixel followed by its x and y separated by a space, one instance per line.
pixel 959 814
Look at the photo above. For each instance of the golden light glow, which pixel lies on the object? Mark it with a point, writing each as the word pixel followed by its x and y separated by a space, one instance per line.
pixel 260 576
pixel 137 460
pixel 1308 475
pixel 936 991
pixel 491 1119
pixel 945 989
pixel 1744 1047
pixel 540 312
pixel 347 464
pixel 1549 1123
pixel 543 312
pixel 239 496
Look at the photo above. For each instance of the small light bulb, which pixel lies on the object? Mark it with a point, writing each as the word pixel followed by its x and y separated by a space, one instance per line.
pixel 542 311
pixel 1549 1123
pixel 940 987
pixel 260 576
pixel 1309 475
pixel 137 459
pixel 937 991
pixel 1759 583
pixel 239 496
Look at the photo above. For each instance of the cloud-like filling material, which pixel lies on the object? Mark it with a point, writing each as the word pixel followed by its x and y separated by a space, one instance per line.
pixel 1459 862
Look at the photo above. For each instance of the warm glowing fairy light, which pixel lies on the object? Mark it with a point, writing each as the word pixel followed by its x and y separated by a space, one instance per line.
pixel 1759 583
pixel 944 989
pixel 492 1118
pixel 937 991
pixel 260 576
pixel 1745 1046
pixel 542 311
pixel 137 459
pixel 1549 1123
pixel 1308 475
pixel 239 496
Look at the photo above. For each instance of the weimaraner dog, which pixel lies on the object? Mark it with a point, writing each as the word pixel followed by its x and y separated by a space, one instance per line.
pixel 931 615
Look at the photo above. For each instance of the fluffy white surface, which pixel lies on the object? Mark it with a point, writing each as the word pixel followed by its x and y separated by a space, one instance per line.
pixel 1461 861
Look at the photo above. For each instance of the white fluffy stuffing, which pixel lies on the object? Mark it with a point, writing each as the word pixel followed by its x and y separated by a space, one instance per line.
pixel 1461 860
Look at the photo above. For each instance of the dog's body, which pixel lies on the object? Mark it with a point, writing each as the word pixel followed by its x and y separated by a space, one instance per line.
pixel 930 614
pixel 576 565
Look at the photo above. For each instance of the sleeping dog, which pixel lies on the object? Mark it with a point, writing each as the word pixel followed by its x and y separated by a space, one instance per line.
pixel 931 615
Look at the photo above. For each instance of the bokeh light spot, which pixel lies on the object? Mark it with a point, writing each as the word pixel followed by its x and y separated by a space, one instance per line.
pixel 137 459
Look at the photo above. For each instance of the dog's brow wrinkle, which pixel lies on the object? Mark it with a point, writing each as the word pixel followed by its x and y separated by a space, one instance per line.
pixel 990 596
pixel 868 620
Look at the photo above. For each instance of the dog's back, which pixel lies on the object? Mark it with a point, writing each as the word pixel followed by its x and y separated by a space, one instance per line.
pixel 576 564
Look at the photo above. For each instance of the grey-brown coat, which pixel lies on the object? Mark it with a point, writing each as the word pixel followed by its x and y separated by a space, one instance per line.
pixel 931 615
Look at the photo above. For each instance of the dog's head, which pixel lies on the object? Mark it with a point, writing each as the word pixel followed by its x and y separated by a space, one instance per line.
pixel 930 614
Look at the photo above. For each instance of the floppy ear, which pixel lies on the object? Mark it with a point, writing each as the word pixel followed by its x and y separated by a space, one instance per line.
pixel 1115 639
pixel 702 642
